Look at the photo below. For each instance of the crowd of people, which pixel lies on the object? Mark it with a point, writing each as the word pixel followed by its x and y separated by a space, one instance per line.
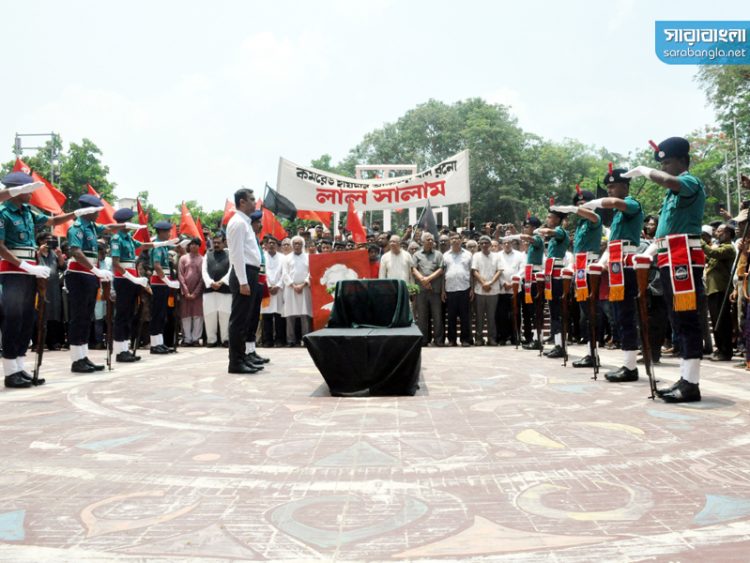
pixel 473 287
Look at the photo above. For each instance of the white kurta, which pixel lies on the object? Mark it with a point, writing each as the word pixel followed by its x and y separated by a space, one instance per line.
pixel 296 270
pixel 274 278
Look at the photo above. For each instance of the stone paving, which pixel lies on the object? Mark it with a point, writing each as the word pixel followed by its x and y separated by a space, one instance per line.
pixel 502 456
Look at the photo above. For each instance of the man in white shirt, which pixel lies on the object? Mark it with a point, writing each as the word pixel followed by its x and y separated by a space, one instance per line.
pixel 485 269
pixel 457 291
pixel 274 325
pixel 511 263
pixel 396 264
pixel 297 294
pixel 244 256
pixel 217 299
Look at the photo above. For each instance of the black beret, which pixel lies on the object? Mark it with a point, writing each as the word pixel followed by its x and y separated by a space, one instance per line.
pixel 615 177
pixel 560 214
pixel 16 179
pixel 674 147
pixel 163 226
pixel 583 195
pixel 533 221
pixel 256 215
pixel 88 200
pixel 124 214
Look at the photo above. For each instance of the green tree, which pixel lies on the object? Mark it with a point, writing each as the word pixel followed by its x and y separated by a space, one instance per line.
pixel 728 89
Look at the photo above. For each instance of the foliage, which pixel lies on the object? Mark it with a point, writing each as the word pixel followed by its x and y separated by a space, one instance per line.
pixel 728 89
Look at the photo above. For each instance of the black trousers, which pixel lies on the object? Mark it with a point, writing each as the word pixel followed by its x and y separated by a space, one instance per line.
pixel 528 311
pixel 256 296
pixel 158 309
pixel 19 313
pixel 723 330
pixel 504 318
pixel 555 307
pixel 686 325
pixel 126 295
pixel 625 312
pixel 458 305
pixel 82 290
pixel 658 321
pixel 274 329
pixel 239 318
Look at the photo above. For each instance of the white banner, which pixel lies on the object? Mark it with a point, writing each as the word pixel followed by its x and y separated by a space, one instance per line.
pixel 316 190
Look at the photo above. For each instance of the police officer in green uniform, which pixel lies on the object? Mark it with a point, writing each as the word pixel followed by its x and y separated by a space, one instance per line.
pixel 534 260
pixel 681 214
pixel 586 240
pixel 161 283
pixel 127 283
pixel 557 246
pixel 627 225
pixel 19 272
pixel 82 280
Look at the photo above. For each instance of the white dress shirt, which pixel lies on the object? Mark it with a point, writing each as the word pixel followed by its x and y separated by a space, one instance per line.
pixel 396 266
pixel 274 278
pixel 241 244
pixel 512 264
pixel 457 270
pixel 486 265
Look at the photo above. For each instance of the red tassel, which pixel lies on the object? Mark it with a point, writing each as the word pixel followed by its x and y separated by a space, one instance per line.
pixel 551 201
pixel 610 168
pixel 578 189
pixel 528 214
pixel 653 145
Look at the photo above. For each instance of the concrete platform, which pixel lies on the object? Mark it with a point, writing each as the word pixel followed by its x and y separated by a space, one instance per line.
pixel 502 456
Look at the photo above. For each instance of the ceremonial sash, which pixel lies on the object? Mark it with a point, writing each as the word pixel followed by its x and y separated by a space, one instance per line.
pixel 549 264
pixel 8 268
pixel 616 275
pixel 681 273
pixel 528 280
pixel 582 288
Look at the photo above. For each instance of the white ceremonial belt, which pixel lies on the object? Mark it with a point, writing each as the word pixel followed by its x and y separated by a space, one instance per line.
pixel 627 247
pixel 127 264
pixel 592 256
pixel 661 243
pixel 23 253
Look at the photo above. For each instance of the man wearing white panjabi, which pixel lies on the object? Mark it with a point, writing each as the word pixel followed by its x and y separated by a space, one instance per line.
pixel 274 327
pixel 297 295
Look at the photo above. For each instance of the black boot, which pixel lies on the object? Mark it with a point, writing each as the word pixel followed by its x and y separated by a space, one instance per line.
pixel 17 381
pixel 585 362
pixel 82 366
pixel 556 352
pixel 622 375
pixel 127 357
pixel 664 390
pixel 684 392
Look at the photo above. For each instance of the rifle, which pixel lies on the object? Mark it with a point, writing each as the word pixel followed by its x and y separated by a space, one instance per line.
pixel 107 297
pixel 41 325
pixel 516 282
pixel 539 310
pixel 595 276
pixel 567 276
pixel 642 265
pixel 176 318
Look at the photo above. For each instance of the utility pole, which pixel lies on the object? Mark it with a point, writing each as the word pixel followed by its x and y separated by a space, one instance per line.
pixel 18 149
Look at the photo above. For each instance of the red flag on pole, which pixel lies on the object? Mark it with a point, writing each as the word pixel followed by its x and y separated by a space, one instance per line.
pixel 48 198
pixel 203 238
pixel 229 210
pixel 354 225
pixel 188 226
pixel 107 215
pixel 141 235
pixel 271 226
pixel 324 217
pixel 173 232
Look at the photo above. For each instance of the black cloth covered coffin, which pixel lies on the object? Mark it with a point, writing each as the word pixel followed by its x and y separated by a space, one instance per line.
pixel 371 303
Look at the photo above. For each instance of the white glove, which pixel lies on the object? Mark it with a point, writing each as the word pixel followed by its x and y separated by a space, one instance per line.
pixel 638 171
pixel 25 189
pixel 174 284
pixel 536 231
pixel 135 226
pixel 564 208
pixel 170 242
pixel 185 243
pixel 650 251
pixel 104 275
pixel 511 237
pixel 604 260
pixel 593 204
pixel 87 210
pixel 38 271
pixel 143 282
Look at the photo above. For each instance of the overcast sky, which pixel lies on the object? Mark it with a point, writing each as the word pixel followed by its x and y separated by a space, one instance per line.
pixel 190 100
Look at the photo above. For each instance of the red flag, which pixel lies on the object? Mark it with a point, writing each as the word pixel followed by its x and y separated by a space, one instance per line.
pixel 203 238
pixel 48 198
pixel 229 210
pixel 173 232
pixel 324 217
pixel 188 227
pixel 61 230
pixel 141 235
pixel 142 215
pixel 107 215
pixel 271 226
pixel 354 225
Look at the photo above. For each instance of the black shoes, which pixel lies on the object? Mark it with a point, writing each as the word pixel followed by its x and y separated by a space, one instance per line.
pixel 556 352
pixel 82 366
pixel 681 392
pixel 534 345
pixel 716 357
pixel 212 344
pixel 17 381
pixel 97 367
pixel 256 358
pixel 622 375
pixel 585 362
pixel 242 368
pixel 161 349
pixel 127 357
pixel 27 376
pixel 253 363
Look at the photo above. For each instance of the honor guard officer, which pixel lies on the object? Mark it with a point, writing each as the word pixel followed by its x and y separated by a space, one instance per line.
pixel 680 258
pixel 534 261
pixel 127 283
pixel 19 272
pixel 559 240
pixel 82 279
pixel 161 283
pixel 586 248
pixel 624 238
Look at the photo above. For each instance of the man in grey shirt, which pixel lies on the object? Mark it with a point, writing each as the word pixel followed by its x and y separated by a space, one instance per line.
pixel 428 271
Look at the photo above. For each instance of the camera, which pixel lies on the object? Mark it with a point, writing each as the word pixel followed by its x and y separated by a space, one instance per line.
pixel 51 243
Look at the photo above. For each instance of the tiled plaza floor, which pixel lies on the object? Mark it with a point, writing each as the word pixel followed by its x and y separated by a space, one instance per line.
pixel 503 455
